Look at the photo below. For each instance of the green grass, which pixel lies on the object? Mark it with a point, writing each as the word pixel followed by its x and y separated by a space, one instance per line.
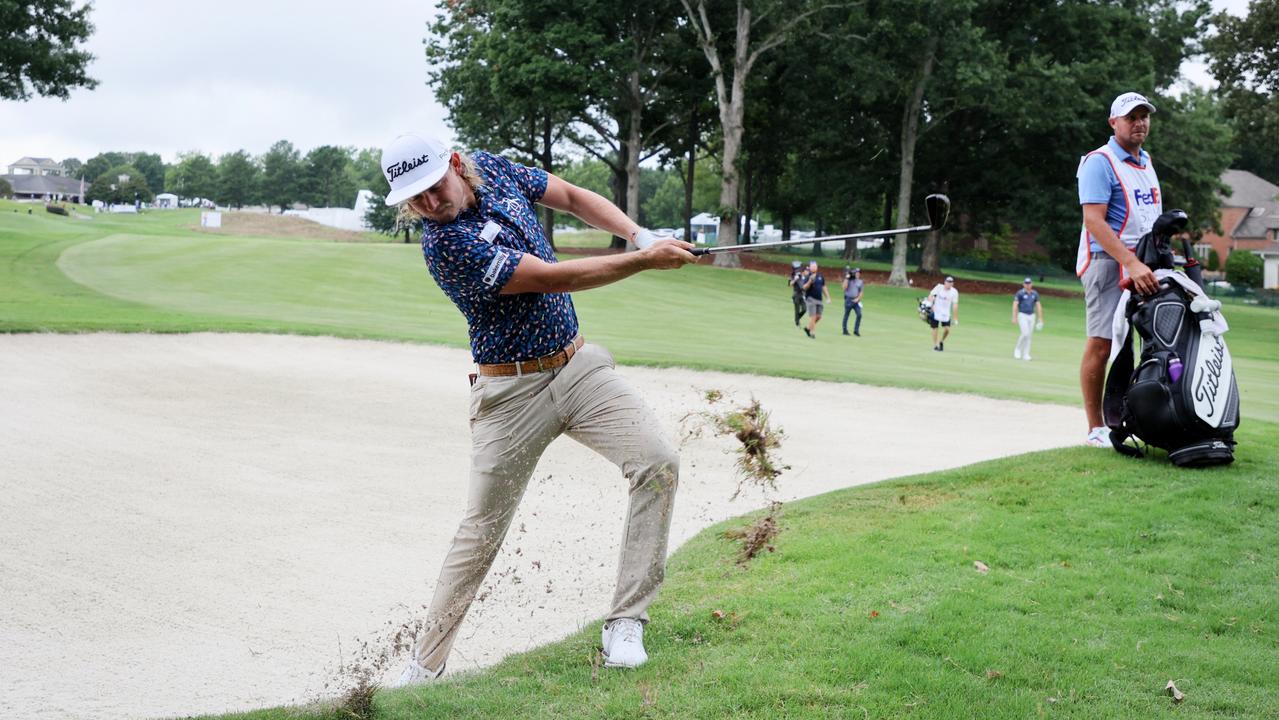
pixel 1108 577
pixel 150 273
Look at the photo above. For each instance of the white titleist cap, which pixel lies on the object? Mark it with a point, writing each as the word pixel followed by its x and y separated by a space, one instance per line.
pixel 1125 103
pixel 411 164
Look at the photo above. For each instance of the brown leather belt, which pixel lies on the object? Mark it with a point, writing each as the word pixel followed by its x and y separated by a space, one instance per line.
pixel 542 364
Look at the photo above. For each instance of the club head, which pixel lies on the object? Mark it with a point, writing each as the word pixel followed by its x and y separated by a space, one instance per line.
pixel 938 206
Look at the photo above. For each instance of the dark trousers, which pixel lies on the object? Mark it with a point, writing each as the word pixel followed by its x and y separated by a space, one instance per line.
pixel 799 306
pixel 850 306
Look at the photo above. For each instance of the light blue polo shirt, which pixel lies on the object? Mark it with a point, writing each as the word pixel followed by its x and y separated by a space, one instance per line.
pixel 1098 184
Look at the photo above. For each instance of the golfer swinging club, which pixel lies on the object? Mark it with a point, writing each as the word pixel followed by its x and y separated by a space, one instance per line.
pixel 536 376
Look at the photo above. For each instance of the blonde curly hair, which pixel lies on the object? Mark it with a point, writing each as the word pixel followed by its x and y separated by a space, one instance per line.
pixel 406 216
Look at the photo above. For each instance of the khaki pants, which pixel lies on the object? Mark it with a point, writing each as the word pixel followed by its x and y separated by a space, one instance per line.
pixel 513 419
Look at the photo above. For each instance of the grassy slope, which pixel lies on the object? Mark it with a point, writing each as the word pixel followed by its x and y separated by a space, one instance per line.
pixel 149 273
pixel 1108 577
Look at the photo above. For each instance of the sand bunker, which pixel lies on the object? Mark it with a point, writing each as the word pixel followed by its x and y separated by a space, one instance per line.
pixel 204 523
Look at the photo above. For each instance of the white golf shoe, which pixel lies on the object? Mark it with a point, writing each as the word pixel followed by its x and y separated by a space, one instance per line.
pixel 415 674
pixel 1016 354
pixel 1098 437
pixel 623 641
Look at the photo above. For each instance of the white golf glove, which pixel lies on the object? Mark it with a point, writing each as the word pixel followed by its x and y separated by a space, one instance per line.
pixel 1039 325
pixel 644 238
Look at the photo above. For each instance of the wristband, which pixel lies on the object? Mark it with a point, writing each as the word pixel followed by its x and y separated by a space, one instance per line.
pixel 643 238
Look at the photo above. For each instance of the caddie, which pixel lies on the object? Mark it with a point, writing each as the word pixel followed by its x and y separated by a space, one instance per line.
pixel 536 377
pixel 1120 196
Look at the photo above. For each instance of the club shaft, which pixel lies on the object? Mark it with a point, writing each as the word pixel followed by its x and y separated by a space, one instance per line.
pixel 752 247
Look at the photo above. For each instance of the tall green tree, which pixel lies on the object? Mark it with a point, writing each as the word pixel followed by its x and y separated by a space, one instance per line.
pixel 496 66
pixel 239 179
pixel 120 184
pixel 733 43
pixel 193 176
pixel 72 166
pixel 1243 55
pixel 40 50
pixel 103 162
pixel 1190 142
pixel 281 175
pixel 326 178
pixel 151 166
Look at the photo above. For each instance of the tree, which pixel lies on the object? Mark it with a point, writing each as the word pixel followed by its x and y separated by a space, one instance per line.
pixel 239 179
pixel 120 184
pixel 326 182
pixel 1243 55
pixel 497 67
pixel 38 49
pixel 731 65
pixel 1190 143
pixel 194 176
pixel 103 162
pixel 1243 269
pixel 281 175
pixel 72 167
pixel 6 190
pixel 151 166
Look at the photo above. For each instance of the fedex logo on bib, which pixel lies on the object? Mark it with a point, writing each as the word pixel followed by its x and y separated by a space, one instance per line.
pixel 1146 197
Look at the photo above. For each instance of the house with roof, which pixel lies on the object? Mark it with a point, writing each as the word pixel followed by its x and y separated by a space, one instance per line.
pixel 36 166
pixel 1249 221
pixel 43 179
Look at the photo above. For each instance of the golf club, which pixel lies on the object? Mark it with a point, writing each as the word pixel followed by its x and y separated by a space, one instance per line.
pixel 938 207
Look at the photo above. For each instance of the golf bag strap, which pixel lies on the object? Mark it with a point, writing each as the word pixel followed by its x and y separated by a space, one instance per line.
pixel 1118 381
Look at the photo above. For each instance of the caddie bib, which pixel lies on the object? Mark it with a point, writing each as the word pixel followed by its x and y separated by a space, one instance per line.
pixel 1143 202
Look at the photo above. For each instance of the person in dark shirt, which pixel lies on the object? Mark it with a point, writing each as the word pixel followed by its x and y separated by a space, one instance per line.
pixel 796 282
pixel 536 377
pixel 815 296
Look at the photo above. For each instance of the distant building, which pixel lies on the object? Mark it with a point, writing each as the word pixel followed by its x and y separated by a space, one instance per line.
pixel 1249 221
pixel 45 187
pixel 36 166
pixel 42 179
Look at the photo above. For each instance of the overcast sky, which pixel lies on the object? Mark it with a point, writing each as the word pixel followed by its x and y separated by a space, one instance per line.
pixel 234 74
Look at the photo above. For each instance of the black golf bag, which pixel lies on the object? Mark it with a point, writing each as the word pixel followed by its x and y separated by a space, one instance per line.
pixel 1181 396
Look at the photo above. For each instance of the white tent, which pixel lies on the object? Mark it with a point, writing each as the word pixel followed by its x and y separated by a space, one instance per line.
pixel 167 201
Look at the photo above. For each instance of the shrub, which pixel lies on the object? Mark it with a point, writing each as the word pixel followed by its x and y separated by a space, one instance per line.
pixel 1214 260
pixel 1243 269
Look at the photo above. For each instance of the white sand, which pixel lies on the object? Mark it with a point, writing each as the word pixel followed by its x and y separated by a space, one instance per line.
pixel 205 523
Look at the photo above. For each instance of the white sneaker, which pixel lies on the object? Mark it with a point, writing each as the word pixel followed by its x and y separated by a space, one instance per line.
pixel 1027 358
pixel 415 674
pixel 623 641
pixel 1098 437
pixel 1016 354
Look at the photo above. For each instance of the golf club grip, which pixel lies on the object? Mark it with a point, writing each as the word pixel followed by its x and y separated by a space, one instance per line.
pixel 698 252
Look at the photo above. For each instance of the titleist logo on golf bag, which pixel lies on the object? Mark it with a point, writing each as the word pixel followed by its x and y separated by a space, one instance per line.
pixel 1210 392
pixel 394 171
pixel 1182 395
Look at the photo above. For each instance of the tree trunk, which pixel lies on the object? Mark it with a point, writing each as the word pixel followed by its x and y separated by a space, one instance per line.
pixel 786 222
pixel 749 205
pixel 690 176
pixel 633 149
pixel 548 164
pixel 930 261
pixel 617 183
pixel 910 134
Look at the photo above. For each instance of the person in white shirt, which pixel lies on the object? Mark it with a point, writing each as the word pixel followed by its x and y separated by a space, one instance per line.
pixel 945 310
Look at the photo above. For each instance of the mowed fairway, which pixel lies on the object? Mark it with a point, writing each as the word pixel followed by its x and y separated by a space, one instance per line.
pixel 152 273
pixel 1103 579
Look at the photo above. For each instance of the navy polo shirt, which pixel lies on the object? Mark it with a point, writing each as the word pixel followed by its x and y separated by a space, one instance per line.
pixel 474 256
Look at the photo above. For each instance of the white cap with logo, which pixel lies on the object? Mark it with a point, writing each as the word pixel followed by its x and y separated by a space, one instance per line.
pixel 411 164
pixel 1125 104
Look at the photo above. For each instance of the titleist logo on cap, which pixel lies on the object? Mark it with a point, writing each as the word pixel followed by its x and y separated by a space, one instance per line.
pixel 394 171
